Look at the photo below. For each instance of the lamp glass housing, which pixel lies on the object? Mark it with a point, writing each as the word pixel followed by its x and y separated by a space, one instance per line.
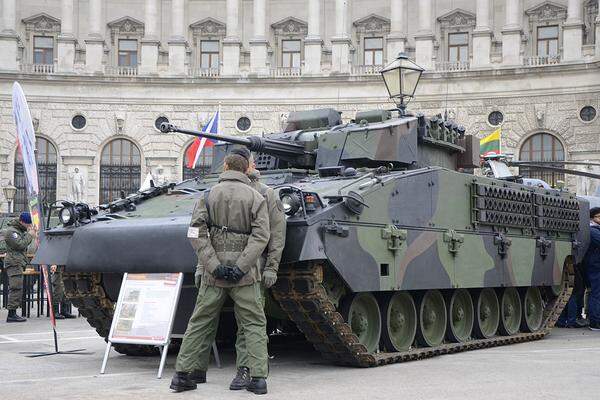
pixel 401 77
pixel 9 192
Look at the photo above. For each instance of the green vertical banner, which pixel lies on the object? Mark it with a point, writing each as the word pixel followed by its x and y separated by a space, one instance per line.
pixel 26 145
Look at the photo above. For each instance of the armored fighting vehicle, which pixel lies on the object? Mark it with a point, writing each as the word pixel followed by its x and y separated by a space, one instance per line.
pixel 392 254
pixel 393 251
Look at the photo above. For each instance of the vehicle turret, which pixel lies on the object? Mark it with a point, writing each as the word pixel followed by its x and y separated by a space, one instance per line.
pixel 318 139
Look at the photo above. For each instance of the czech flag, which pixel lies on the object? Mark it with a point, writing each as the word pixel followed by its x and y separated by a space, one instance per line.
pixel 193 152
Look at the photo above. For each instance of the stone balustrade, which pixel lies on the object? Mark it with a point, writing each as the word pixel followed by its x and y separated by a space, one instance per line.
pixel 38 68
pixel 451 66
pixel 366 69
pixel 541 60
pixel 120 70
pixel 285 72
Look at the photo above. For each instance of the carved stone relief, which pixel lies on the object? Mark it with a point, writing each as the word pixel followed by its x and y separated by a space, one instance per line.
pixel 372 24
pixel 547 11
pixel 290 26
pixel 208 27
pixel 458 18
pixel 125 27
pixel 42 23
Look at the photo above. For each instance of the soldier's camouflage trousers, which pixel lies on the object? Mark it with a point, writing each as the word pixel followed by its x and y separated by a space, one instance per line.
pixel 202 327
pixel 58 289
pixel 240 341
pixel 15 284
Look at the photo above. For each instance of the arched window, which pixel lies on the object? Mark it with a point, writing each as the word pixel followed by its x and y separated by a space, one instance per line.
pixel 543 147
pixel 120 170
pixel 46 165
pixel 202 166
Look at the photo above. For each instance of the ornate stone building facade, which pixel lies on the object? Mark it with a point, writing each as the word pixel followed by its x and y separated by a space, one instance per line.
pixel 100 75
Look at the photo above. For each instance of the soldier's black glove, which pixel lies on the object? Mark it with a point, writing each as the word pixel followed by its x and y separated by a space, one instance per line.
pixel 222 272
pixel 235 274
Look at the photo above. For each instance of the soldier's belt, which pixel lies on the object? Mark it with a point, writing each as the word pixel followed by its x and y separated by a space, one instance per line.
pixel 228 229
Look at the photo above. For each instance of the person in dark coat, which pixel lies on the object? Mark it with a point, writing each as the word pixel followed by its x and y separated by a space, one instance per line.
pixel 592 265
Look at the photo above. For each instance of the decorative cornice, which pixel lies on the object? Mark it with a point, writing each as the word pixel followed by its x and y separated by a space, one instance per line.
pixel 547 11
pixel 372 23
pixel 290 26
pixel 126 26
pixel 42 22
pixel 458 18
pixel 208 27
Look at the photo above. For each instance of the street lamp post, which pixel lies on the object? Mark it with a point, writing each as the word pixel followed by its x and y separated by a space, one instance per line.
pixel 401 78
pixel 9 193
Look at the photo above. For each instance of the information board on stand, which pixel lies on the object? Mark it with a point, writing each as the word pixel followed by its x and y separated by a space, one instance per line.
pixel 145 312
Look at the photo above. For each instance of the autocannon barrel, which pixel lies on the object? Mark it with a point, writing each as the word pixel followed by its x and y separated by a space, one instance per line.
pixel 280 148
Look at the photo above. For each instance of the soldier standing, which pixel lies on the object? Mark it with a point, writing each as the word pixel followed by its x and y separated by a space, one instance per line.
pixel 17 240
pixel 268 263
pixel 231 226
pixel 592 267
pixel 59 304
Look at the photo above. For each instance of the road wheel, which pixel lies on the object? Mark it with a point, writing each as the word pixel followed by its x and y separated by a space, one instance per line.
pixel 361 312
pixel 399 321
pixel 510 312
pixel 431 311
pixel 487 313
pixel 533 309
pixel 460 316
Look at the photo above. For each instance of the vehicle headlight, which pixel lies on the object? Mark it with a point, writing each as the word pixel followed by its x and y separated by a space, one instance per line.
pixel 66 216
pixel 291 203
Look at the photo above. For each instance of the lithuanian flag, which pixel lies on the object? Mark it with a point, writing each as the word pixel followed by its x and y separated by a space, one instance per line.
pixel 490 145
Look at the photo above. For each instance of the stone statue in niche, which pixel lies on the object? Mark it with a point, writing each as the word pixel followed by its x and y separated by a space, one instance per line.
pixel 283 118
pixel 77 186
pixel 159 176
pixel 539 116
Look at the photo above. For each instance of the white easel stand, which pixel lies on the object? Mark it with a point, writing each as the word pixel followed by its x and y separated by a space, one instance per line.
pixel 163 357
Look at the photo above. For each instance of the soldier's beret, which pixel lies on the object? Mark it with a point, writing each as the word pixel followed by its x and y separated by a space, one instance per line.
pixel 241 151
pixel 25 217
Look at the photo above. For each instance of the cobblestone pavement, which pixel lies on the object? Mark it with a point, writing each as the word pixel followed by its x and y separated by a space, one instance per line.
pixel 565 366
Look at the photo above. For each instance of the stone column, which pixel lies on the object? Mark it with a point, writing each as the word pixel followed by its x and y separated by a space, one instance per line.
pixel 482 35
pixel 573 32
pixel 8 36
pixel 66 40
pixel 177 43
pixel 396 40
pixel 598 33
pixel 340 43
pixel 511 33
pixel 231 43
pixel 312 43
pixel 150 42
pixel 94 44
pixel 424 38
pixel 259 43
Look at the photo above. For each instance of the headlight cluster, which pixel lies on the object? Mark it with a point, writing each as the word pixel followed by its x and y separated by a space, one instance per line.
pixel 294 199
pixel 291 202
pixel 71 213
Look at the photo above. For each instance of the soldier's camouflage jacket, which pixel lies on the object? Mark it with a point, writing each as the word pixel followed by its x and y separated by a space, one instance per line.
pixel 17 240
pixel 233 205
pixel 277 222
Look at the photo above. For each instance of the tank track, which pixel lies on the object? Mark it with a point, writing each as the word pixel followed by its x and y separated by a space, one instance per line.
pixel 85 292
pixel 301 295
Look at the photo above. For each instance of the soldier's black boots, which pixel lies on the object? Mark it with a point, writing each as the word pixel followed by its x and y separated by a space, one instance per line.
pixel 67 315
pixel 62 314
pixel 13 317
pixel 257 386
pixel 198 376
pixel 241 380
pixel 181 382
